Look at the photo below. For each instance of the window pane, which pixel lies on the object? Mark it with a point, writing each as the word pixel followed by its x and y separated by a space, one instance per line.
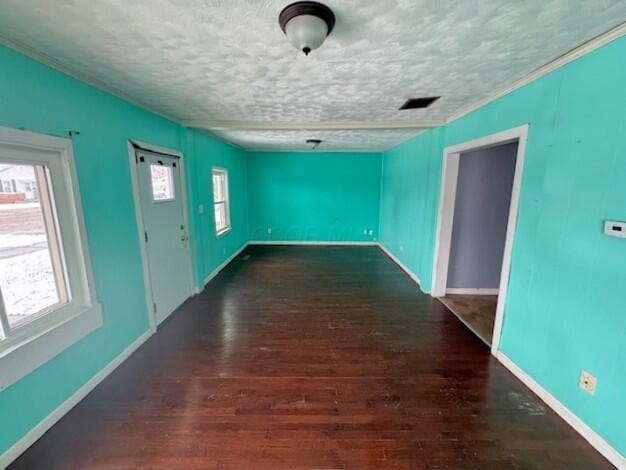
pixel 162 182
pixel 219 186
pixel 216 188
pixel 220 217
pixel 31 274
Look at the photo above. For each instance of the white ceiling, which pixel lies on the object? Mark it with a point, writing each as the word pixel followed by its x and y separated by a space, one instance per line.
pixel 228 60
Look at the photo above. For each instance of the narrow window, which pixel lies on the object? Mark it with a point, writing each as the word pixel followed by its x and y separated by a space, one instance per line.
pixel 221 201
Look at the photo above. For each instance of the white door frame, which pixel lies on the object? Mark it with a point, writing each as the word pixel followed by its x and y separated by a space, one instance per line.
pixel 134 176
pixel 450 172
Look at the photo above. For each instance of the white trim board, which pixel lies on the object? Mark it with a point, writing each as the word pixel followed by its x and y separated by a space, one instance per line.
pixel 610 453
pixel 579 51
pixel 217 270
pixel 80 76
pixel 472 291
pixel 402 266
pixel 36 432
pixel 312 243
pixel 445 215
pixel 312 125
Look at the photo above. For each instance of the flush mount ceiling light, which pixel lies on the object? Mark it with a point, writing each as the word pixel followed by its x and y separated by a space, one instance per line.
pixel 306 24
pixel 314 142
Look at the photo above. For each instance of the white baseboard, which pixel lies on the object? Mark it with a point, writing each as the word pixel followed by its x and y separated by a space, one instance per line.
pixel 217 270
pixel 314 243
pixel 610 453
pixel 404 267
pixel 36 432
pixel 472 291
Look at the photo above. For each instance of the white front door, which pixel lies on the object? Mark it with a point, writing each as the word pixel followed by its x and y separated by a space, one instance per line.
pixel 166 240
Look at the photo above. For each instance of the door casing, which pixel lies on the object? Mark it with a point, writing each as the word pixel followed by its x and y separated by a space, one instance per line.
pixel 447 196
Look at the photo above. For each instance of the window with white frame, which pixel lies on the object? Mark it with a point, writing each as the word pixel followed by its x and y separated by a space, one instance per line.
pixel 221 203
pixel 45 280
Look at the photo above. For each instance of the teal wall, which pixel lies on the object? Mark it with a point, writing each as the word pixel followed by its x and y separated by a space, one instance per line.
pixel 311 196
pixel 565 309
pixel 40 99
pixel 408 203
pixel 206 152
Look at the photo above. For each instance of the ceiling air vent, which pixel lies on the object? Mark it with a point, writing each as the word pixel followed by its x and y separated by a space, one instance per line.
pixel 416 103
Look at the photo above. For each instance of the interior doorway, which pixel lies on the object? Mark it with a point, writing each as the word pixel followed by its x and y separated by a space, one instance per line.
pixel 160 196
pixel 478 211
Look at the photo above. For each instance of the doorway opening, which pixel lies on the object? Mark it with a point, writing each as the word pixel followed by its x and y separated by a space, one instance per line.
pixel 477 215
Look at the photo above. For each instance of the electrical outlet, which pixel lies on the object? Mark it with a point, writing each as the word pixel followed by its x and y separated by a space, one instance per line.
pixel 587 382
pixel 365 232
pixel 201 209
pixel 371 232
pixel 401 247
pixel 269 231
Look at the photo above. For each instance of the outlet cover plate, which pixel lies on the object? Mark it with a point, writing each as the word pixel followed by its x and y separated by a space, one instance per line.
pixel 587 382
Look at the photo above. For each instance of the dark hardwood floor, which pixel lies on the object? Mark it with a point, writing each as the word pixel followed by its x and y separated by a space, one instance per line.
pixel 478 312
pixel 312 357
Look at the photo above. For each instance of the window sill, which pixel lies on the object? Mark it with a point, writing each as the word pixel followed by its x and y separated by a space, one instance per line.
pixel 20 359
pixel 223 232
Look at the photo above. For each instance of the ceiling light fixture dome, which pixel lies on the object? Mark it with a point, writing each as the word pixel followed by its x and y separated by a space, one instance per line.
pixel 306 24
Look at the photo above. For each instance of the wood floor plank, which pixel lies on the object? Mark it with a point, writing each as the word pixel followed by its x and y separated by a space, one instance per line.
pixel 311 357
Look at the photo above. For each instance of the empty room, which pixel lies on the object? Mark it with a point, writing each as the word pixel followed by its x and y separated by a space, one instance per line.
pixel 342 235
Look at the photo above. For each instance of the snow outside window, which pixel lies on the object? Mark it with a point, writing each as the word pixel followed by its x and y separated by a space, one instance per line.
pixel 47 297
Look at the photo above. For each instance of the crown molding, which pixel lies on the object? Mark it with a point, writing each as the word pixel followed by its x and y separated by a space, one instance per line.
pixel 80 76
pixel 579 51
pixel 311 125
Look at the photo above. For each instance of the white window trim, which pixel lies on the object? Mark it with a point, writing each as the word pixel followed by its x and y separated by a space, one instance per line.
pixel 40 340
pixel 226 201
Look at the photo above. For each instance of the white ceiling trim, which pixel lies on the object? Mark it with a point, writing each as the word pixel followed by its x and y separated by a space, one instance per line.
pixel 85 78
pixel 583 49
pixel 313 125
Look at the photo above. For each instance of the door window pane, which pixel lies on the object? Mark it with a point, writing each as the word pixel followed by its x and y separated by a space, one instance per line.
pixel 31 267
pixel 162 182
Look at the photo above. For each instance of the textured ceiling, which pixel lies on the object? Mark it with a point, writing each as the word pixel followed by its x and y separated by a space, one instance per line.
pixel 373 140
pixel 229 60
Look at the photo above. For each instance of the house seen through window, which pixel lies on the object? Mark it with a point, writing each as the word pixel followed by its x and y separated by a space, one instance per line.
pixel 32 277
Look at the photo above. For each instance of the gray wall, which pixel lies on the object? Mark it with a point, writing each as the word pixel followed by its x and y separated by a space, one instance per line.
pixel 481 214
